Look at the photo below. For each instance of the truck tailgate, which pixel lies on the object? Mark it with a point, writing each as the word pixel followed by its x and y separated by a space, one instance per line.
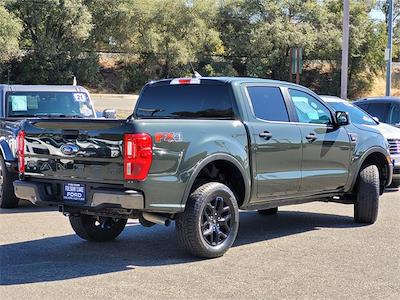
pixel 82 150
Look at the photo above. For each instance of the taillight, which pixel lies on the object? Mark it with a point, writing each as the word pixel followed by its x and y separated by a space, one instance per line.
pixel 21 151
pixel 138 155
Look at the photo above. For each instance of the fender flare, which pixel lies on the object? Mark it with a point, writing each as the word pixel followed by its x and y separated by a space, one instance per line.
pixel 215 157
pixel 6 151
pixel 362 160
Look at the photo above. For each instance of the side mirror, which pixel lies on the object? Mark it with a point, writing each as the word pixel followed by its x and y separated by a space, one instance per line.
pixel 342 118
pixel 110 113
pixel 376 119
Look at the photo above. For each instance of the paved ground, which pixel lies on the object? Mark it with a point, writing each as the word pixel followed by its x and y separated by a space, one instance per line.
pixel 311 251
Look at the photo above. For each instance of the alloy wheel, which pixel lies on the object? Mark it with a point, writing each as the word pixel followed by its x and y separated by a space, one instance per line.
pixel 215 221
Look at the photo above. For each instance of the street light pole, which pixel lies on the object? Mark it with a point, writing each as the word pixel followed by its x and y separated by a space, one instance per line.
pixel 345 50
pixel 388 54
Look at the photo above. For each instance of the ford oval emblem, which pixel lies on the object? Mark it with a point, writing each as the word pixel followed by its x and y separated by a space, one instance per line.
pixel 69 149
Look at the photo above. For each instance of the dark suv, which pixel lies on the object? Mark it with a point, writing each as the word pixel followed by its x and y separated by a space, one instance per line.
pixel 386 109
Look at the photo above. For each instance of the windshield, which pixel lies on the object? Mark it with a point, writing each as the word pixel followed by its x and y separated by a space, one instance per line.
pixel 49 104
pixel 357 115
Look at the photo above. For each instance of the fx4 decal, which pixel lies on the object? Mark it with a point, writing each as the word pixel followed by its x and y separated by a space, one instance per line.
pixel 168 137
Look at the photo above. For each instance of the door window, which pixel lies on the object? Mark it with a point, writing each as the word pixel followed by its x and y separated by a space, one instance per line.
pixel 394 114
pixel 309 109
pixel 268 103
pixel 378 110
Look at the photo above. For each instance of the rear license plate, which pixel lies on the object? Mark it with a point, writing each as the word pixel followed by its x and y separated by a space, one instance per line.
pixel 74 192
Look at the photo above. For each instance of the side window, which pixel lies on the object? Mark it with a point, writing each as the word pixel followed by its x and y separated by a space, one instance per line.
pixel 309 109
pixel 268 103
pixel 378 110
pixel 394 114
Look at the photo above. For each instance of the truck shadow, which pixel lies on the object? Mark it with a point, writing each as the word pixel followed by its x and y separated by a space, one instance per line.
pixel 67 257
pixel 26 207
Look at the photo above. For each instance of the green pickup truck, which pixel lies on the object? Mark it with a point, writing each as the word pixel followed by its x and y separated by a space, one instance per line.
pixel 195 151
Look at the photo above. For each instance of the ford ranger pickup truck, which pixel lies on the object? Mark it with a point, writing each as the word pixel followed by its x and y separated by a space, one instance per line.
pixel 195 151
pixel 19 102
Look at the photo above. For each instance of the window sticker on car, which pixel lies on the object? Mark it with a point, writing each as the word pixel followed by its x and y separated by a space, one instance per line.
pixel 33 102
pixel 80 97
pixel 19 103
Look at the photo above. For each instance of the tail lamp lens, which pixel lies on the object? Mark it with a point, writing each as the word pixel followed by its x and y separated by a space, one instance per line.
pixel 21 151
pixel 138 155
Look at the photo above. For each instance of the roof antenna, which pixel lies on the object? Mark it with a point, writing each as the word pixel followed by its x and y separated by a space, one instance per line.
pixel 195 73
pixel 74 81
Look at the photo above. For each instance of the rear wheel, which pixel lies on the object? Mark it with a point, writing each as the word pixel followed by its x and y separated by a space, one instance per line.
pixel 268 212
pixel 367 195
pixel 97 229
pixel 208 226
pixel 7 196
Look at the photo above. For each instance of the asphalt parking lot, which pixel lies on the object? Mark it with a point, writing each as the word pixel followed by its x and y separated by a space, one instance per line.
pixel 310 251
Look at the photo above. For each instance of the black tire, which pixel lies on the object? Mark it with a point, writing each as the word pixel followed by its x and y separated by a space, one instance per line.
pixel 208 226
pixel 268 212
pixel 367 195
pixel 7 196
pixel 97 229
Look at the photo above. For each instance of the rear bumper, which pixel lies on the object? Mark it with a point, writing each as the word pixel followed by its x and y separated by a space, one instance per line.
pixel 35 192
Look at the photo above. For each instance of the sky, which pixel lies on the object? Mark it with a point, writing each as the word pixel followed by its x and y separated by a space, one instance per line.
pixel 378 14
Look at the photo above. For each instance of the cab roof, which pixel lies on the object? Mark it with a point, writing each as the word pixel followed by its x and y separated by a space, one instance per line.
pixel 41 88
pixel 225 80
pixel 382 99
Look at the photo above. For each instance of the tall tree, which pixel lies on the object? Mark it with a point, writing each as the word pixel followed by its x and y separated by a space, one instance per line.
pixel 55 35
pixel 10 30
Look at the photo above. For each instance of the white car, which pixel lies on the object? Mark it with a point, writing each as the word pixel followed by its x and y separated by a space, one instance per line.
pixel 391 133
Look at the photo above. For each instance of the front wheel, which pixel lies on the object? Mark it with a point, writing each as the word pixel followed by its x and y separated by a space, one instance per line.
pixel 208 226
pixel 7 196
pixel 367 195
pixel 97 229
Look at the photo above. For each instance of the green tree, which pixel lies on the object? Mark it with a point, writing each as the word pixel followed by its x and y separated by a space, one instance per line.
pixel 55 35
pixel 10 30
pixel 162 42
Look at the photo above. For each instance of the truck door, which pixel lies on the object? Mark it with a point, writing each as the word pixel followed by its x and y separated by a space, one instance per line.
pixel 275 144
pixel 326 148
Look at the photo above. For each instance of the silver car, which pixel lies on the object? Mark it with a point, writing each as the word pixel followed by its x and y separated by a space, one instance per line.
pixel 391 133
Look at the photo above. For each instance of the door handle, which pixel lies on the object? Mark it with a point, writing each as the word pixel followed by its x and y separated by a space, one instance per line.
pixel 311 137
pixel 266 135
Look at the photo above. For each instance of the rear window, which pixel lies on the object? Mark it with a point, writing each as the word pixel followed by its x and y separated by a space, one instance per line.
pixel 186 101
pixel 48 104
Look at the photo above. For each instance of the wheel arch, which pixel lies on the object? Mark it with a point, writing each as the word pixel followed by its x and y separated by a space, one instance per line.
pixel 233 165
pixel 376 156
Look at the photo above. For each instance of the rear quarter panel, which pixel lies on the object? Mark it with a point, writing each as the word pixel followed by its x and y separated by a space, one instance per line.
pixel 176 162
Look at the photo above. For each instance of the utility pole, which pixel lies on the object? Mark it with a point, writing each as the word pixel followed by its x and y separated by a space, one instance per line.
pixel 345 50
pixel 388 52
